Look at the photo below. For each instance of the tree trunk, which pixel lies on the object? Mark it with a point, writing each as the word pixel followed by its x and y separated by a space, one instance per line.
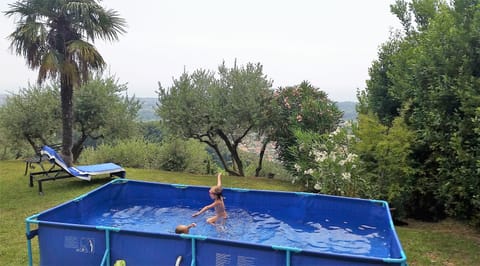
pixel 232 148
pixel 67 119
pixel 222 160
pixel 260 157
pixel 237 161
pixel 77 147
pixel 214 146
pixel 34 146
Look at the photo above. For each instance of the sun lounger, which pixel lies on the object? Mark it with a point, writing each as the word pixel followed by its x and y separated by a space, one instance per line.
pixel 60 170
pixel 38 159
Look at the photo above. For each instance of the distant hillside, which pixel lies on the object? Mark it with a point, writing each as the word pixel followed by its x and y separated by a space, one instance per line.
pixel 147 112
pixel 349 111
pixel 2 98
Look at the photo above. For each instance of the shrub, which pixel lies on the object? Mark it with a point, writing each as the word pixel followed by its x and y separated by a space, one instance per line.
pixel 136 153
pixel 269 168
pixel 171 155
pixel 326 164
pixel 184 156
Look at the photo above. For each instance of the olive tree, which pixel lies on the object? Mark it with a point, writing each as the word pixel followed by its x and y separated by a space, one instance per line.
pixel 219 110
pixel 101 112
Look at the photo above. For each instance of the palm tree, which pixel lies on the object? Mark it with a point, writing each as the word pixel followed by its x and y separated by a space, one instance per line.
pixel 53 36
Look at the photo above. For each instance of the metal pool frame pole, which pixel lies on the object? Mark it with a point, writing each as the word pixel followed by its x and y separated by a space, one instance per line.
pixel 403 260
pixel 287 250
pixel 194 249
pixel 30 234
pixel 106 254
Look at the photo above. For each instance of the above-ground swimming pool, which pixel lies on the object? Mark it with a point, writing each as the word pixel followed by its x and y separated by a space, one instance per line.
pixel 134 222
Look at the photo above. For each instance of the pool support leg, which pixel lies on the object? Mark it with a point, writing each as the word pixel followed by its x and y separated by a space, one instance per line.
pixel 30 234
pixel 29 246
pixel 194 252
pixel 288 251
pixel 193 238
pixel 106 254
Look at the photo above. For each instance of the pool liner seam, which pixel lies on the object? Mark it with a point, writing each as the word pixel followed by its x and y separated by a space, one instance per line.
pixel 33 219
pixel 392 260
pixel 305 194
pixel 109 228
pixel 119 181
pixel 240 189
pixel 381 202
pixel 180 186
pixel 197 237
pixel 276 247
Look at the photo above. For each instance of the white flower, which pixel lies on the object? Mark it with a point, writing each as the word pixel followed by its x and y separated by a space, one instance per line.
pixel 335 132
pixel 333 156
pixel 317 186
pixel 294 180
pixel 297 167
pixel 320 156
pixel 351 157
pixel 346 176
pixel 308 172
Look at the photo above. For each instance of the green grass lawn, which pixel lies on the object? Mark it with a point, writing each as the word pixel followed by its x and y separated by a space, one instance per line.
pixel 445 243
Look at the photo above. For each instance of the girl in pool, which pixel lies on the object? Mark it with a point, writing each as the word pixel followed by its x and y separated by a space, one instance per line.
pixel 215 193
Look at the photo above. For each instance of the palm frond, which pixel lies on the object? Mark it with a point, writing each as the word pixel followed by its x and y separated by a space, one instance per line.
pixel 28 40
pixel 20 8
pixel 34 9
pixel 94 21
pixel 53 36
pixel 111 25
pixel 49 66
pixel 70 72
pixel 86 57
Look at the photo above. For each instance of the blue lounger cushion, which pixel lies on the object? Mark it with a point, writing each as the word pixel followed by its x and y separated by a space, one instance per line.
pixel 84 171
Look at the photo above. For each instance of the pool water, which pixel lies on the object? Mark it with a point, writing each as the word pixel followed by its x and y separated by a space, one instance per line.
pixel 320 235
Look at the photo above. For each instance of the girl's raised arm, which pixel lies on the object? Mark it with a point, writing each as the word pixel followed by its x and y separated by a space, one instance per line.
pixel 219 180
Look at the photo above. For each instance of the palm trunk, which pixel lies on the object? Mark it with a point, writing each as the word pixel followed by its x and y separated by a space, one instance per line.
pixel 67 119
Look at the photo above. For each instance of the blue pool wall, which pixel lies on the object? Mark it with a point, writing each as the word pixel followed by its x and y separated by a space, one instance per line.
pixel 65 239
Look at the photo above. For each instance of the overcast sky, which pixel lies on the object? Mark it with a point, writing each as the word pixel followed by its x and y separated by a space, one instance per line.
pixel 329 43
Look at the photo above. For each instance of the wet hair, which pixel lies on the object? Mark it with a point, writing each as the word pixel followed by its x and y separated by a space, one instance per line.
pixel 217 191
pixel 181 229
